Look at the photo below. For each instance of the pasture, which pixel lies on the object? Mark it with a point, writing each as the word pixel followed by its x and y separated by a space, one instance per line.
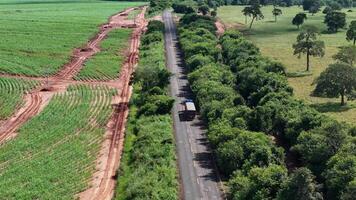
pixel 54 154
pixel 275 40
pixel 39 36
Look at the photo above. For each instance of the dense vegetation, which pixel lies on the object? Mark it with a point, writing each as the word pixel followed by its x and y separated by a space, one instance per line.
pixel 54 153
pixel 106 64
pixel 11 94
pixel 148 168
pixel 254 121
pixel 38 37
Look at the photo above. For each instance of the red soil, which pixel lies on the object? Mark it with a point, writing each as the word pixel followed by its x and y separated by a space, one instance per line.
pixel 104 179
pixel 220 27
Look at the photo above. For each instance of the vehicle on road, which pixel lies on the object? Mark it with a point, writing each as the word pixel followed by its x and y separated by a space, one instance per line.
pixel 190 110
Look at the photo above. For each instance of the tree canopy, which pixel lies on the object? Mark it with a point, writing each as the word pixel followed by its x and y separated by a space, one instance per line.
pixel 351 32
pixel 335 20
pixel 299 19
pixel 308 44
pixel 337 80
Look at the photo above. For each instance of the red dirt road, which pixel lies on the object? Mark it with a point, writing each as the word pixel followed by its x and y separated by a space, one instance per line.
pixel 40 96
pixel 104 181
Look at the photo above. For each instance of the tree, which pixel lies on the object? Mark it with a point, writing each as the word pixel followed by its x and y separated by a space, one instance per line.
pixel 299 19
pixel 337 80
pixel 313 6
pixel 351 32
pixel 314 9
pixel 346 54
pixel 254 11
pixel 300 186
pixel 204 9
pixel 276 12
pixel 327 9
pixel 307 4
pixel 335 20
pixel 259 183
pixel 308 44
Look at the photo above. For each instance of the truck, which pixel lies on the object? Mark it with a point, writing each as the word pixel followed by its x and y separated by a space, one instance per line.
pixel 190 110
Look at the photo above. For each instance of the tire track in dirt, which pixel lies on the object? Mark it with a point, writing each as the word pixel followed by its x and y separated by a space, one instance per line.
pixel 104 180
pixel 38 98
pixel 80 55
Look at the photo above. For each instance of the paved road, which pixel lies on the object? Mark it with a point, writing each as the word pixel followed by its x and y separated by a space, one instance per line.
pixel 198 177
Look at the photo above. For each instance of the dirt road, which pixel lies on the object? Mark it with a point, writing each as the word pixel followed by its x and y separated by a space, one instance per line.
pixel 104 180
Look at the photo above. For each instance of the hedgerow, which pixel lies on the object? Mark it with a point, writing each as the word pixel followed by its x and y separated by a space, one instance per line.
pixel 250 110
pixel 148 168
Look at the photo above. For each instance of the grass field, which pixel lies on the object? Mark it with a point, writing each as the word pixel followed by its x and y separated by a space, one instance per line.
pixel 11 94
pixel 38 36
pixel 106 64
pixel 275 40
pixel 54 154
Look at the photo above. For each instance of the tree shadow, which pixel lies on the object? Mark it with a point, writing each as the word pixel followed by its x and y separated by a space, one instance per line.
pixel 331 107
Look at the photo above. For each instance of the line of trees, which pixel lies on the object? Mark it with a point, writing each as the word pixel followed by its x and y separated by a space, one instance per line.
pixel 149 144
pixel 249 107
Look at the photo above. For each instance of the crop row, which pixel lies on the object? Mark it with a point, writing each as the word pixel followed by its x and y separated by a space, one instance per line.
pixel 11 94
pixel 106 64
pixel 148 168
pixel 54 154
pixel 38 39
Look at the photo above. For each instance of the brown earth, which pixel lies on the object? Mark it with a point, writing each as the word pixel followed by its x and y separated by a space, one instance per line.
pixel 104 180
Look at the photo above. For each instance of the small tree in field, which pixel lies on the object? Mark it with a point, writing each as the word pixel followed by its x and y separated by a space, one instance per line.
pixel 346 54
pixel 254 11
pixel 337 80
pixel 299 19
pixel 308 44
pixel 276 12
pixel 351 32
pixel 335 20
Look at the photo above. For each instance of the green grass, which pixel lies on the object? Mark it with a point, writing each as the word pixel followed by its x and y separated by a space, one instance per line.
pixel 36 35
pixel 11 95
pixel 132 15
pixel 106 64
pixel 53 157
pixel 275 40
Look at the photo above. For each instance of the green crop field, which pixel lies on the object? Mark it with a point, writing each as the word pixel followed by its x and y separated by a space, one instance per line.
pixel 11 93
pixel 275 40
pixel 106 64
pixel 37 37
pixel 54 154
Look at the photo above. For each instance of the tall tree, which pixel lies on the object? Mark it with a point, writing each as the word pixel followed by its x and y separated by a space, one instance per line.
pixel 351 32
pixel 346 54
pixel 335 20
pixel 276 12
pixel 308 44
pixel 300 186
pixel 313 6
pixel 337 80
pixel 254 11
pixel 299 19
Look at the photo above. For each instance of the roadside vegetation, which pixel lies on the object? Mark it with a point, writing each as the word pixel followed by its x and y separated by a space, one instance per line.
pixel 276 39
pixel 148 167
pixel 54 153
pixel 38 37
pixel 106 64
pixel 268 144
pixel 11 94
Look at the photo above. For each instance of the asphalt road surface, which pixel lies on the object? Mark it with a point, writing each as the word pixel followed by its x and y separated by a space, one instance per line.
pixel 198 176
